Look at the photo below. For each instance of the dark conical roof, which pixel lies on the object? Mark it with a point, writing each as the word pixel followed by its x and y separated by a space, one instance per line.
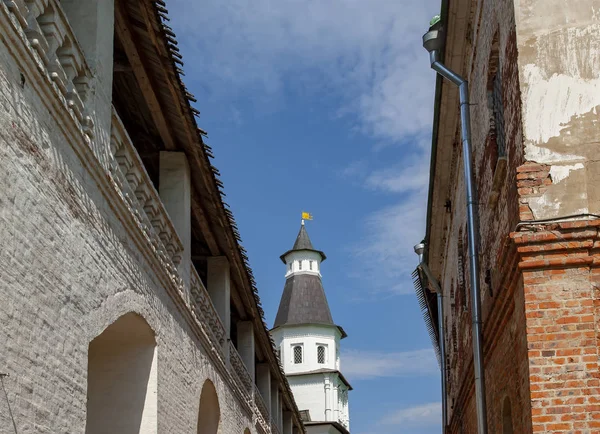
pixel 302 240
pixel 303 243
pixel 303 302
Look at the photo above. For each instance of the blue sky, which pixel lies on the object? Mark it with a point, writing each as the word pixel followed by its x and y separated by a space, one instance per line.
pixel 326 106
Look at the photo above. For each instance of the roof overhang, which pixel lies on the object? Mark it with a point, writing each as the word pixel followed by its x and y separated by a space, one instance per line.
pixel 323 371
pixel 282 257
pixel 340 329
pixel 155 42
pixel 341 428
pixel 445 129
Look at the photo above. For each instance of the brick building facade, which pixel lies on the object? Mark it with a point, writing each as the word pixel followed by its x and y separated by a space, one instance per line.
pixel 127 301
pixel 534 72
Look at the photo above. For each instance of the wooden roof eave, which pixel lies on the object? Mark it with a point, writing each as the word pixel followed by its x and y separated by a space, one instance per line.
pixel 215 220
pixel 442 174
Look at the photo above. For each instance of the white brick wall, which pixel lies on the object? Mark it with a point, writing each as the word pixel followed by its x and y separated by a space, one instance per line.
pixel 69 267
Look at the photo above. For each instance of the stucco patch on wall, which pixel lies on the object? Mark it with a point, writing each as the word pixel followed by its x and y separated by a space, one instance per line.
pixel 547 205
pixel 558 173
pixel 550 104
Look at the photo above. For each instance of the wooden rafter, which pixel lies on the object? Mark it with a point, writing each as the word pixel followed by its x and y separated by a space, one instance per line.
pixel 197 210
pixel 200 217
pixel 124 33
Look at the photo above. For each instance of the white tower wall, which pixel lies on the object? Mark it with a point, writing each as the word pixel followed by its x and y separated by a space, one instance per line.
pixel 309 337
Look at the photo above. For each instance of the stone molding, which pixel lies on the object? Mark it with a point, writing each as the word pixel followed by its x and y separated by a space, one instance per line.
pixel 564 244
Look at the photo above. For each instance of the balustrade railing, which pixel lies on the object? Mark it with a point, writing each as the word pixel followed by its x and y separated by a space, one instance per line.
pixel 50 35
pixel 261 409
pixel 260 429
pixel 129 173
pixel 243 378
pixel 206 313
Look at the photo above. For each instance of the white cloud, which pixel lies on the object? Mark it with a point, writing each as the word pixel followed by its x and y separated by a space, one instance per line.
pixel 411 175
pixel 385 256
pixel 361 365
pixel 354 171
pixel 368 52
pixel 425 415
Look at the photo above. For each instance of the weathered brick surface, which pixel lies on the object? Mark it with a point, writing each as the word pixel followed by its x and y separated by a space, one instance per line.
pixel 68 269
pixel 505 344
pixel 558 263
pixel 539 281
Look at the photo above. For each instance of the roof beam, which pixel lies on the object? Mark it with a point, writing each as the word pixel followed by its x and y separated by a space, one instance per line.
pixel 197 210
pixel 200 217
pixel 127 40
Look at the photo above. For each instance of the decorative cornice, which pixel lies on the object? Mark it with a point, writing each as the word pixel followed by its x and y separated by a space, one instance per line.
pixel 567 244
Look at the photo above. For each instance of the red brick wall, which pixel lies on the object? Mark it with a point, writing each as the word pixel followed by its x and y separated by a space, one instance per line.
pixel 560 277
pixel 506 358
pixel 505 343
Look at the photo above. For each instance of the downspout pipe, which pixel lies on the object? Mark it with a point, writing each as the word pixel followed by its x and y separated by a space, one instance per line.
pixel 433 42
pixel 420 251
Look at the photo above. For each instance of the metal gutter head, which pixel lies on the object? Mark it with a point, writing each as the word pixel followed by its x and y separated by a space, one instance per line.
pixel 420 251
pixel 433 40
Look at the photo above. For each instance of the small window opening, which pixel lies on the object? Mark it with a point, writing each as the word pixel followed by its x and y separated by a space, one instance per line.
pixel 299 265
pixel 297 354
pixel 321 354
pixel 310 264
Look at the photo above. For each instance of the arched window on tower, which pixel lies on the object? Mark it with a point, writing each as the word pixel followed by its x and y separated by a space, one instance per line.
pixel 321 354
pixel 310 264
pixel 297 354
pixel 299 265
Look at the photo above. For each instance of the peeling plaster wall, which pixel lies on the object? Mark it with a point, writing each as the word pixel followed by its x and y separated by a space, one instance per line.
pixel 559 71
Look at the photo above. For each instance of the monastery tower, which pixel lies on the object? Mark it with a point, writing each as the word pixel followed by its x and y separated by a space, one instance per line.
pixel 308 342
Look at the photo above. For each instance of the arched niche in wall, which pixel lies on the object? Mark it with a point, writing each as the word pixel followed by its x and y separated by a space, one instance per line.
pixel 122 378
pixel 507 422
pixel 209 413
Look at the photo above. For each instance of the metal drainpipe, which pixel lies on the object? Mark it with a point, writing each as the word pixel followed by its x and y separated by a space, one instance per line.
pixel 420 250
pixel 433 42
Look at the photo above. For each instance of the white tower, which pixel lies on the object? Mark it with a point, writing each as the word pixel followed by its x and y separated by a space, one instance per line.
pixel 308 342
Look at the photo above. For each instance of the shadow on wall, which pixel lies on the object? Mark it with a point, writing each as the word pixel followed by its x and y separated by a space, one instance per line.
pixel 122 379
pixel 209 413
